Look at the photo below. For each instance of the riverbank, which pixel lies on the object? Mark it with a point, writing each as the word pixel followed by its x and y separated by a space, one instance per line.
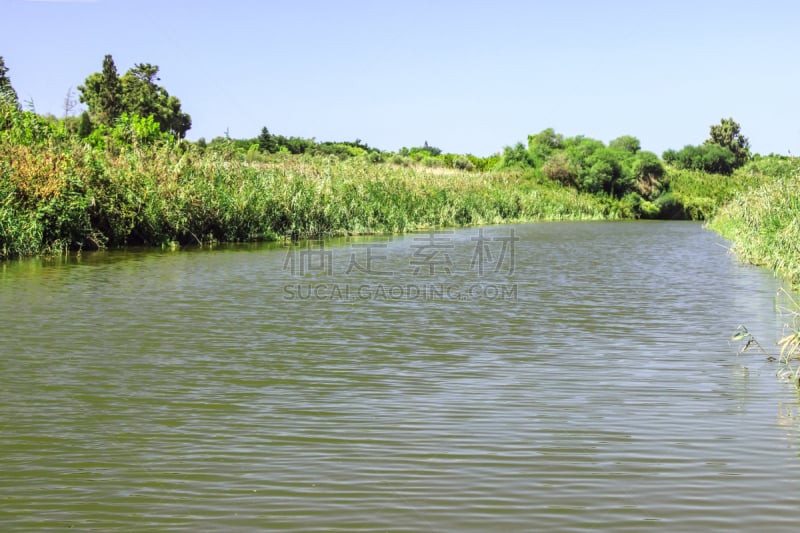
pixel 68 196
pixel 136 187
pixel 59 192
pixel 764 222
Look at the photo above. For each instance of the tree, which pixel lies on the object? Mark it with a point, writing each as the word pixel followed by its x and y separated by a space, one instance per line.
pixel 543 144
pixel 6 89
pixel 101 93
pixel 646 164
pixel 109 104
pixel 517 156
pixel 719 159
pixel 266 141
pixel 559 167
pixel 85 125
pixel 727 134
pixel 433 151
pixel 648 172
pixel 670 157
pixel 580 148
pixel 603 173
pixel 706 157
pixel 140 93
pixel 179 122
pixel 136 93
pixel 627 143
pixel 547 137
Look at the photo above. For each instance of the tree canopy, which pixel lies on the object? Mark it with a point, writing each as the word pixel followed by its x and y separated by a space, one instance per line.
pixel 725 150
pixel 706 157
pixel 627 143
pixel 108 96
pixel 727 134
pixel 102 94
pixel 589 165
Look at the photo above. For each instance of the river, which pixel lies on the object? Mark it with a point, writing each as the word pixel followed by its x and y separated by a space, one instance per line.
pixel 553 376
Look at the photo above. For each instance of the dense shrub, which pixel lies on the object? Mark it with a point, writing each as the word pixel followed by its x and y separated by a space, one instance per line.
pixel 517 156
pixel 647 173
pixel 706 157
pixel 544 144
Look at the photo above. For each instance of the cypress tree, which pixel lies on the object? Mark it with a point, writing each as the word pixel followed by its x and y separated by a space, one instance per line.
pixel 109 97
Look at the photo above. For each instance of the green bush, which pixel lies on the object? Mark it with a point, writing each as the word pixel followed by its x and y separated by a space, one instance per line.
pixel 543 145
pixel 463 163
pixel 706 157
pixel 647 173
pixel 669 207
pixel 517 156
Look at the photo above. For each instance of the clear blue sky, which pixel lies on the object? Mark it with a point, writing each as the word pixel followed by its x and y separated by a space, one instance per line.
pixel 464 76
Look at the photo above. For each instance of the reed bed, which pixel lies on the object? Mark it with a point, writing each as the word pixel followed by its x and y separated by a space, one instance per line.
pixel 701 194
pixel 764 222
pixel 61 194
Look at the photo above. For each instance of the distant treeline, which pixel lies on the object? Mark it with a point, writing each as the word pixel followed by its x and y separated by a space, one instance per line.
pixel 259 148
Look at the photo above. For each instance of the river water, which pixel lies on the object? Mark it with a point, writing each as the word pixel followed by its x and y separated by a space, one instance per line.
pixel 554 376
